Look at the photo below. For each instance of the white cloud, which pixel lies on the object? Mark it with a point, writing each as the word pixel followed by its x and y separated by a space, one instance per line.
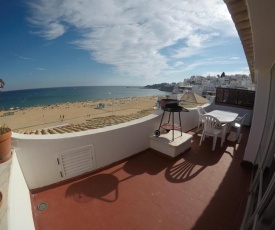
pixel 21 57
pixel 234 58
pixel 40 69
pixel 47 17
pixel 130 35
pixel 196 40
pixel 178 63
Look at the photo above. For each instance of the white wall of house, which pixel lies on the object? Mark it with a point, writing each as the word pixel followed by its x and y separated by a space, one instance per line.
pixel 259 116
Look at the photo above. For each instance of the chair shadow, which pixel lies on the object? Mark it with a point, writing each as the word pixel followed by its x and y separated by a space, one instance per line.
pixel 221 213
pixel 182 171
pixel 237 146
pixel 190 164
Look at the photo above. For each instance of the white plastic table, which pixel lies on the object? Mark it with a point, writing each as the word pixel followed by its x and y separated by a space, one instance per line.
pixel 223 116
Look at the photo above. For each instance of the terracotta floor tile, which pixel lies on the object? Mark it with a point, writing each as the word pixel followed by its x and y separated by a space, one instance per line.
pixel 201 189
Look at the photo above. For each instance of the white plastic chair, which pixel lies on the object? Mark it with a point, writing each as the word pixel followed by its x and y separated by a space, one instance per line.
pixel 201 112
pixel 237 124
pixel 214 128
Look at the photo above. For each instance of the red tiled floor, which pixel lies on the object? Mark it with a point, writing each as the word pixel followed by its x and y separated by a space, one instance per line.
pixel 200 189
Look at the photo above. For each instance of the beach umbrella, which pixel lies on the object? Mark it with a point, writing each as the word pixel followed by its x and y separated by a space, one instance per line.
pixel 194 98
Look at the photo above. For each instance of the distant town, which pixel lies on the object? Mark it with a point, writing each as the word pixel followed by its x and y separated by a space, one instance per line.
pixel 207 85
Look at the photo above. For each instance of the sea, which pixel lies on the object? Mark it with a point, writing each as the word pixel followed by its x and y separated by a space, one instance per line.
pixel 49 96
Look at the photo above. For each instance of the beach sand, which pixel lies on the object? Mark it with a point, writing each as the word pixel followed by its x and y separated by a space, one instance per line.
pixel 43 117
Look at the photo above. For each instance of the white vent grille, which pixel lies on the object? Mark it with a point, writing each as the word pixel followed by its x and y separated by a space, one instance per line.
pixel 76 161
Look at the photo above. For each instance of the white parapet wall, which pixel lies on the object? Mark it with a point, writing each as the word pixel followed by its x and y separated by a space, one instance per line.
pixel 39 155
pixel 19 204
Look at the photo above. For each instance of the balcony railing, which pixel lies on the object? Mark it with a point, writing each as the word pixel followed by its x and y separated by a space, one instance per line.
pixel 235 97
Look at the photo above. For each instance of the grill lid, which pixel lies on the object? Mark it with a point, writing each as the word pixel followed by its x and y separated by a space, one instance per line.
pixel 172 105
pixel 168 103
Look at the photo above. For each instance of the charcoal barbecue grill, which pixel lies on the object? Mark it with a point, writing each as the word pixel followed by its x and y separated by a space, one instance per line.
pixel 171 106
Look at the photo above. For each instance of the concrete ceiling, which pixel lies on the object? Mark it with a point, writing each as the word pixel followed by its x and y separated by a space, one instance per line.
pixel 255 23
pixel 262 18
pixel 240 16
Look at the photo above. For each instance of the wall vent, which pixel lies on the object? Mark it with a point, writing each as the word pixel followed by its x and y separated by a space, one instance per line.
pixel 75 162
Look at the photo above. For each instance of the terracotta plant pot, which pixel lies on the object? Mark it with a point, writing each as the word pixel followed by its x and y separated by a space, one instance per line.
pixel 5 146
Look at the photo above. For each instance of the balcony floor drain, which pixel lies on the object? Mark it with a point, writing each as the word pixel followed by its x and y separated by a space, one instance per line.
pixel 42 206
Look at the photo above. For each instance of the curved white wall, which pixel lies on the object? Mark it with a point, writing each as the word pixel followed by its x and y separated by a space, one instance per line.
pixel 37 155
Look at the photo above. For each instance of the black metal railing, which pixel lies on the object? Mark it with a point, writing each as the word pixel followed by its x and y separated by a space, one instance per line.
pixel 235 97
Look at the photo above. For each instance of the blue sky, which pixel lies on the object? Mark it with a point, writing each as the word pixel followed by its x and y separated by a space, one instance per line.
pixel 51 43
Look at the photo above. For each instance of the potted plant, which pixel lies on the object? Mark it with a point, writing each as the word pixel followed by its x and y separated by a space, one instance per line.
pixel 5 143
pixel 5 138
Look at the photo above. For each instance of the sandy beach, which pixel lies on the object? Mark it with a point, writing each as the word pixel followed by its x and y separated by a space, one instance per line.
pixel 76 113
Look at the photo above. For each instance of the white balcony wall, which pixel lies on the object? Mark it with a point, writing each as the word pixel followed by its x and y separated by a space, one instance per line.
pixel 19 204
pixel 37 154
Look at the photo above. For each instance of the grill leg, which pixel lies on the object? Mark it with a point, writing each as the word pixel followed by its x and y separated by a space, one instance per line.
pixel 180 125
pixel 161 119
pixel 173 128
pixel 169 117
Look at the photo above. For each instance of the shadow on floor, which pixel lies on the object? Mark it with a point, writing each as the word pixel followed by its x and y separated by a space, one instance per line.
pixel 181 169
pixel 100 186
pixel 97 186
pixel 191 163
pixel 232 193
pixel 200 189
